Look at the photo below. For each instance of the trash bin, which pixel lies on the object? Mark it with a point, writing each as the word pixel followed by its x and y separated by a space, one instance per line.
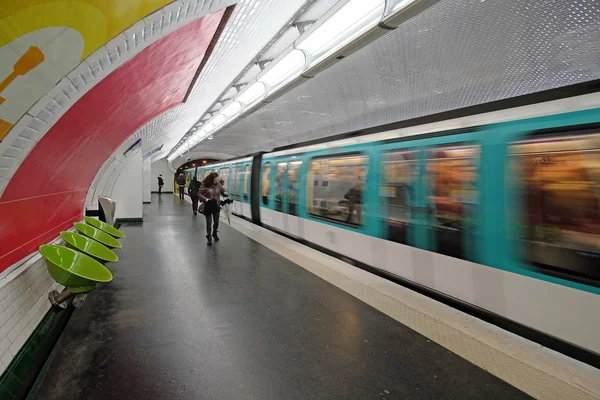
pixel 103 226
pixel 88 246
pixel 107 209
pixel 98 235
pixel 76 271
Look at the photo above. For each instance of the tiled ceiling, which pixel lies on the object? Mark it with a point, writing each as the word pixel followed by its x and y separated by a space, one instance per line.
pixel 455 54
pixel 302 19
pixel 252 25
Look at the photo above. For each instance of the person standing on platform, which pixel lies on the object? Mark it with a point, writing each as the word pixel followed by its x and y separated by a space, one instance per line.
pixel 161 183
pixel 181 184
pixel 193 191
pixel 210 195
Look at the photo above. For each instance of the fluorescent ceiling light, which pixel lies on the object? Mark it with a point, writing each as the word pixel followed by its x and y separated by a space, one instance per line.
pixel 209 128
pixel 252 95
pixel 396 5
pixel 399 11
pixel 232 110
pixel 284 70
pixel 218 120
pixel 349 22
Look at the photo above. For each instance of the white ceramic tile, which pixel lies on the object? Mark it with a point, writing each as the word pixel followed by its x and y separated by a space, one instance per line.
pixel 6 358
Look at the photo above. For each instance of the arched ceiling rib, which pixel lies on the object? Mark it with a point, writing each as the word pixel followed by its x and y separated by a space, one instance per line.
pixel 455 54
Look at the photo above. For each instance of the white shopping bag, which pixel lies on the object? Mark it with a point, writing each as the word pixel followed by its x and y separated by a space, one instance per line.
pixel 227 211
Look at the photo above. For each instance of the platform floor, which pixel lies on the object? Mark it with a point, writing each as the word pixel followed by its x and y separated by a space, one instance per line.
pixel 238 321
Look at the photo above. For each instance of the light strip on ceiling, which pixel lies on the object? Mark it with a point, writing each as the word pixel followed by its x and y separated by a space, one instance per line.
pixel 346 25
pixel 349 23
pixel 252 95
pixel 399 11
pixel 283 71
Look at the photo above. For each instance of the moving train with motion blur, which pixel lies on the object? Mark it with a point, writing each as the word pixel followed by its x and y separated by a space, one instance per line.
pixel 496 213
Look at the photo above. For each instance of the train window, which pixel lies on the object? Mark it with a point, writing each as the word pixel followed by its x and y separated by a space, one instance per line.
pixel 335 188
pixel 188 176
pixel 293 184
pixel 280 192
pixel 235 183
pixel 398 192
pixel 224 175
pixel 266 183
pixel 558 180
pixel 452 178
pixel 246 176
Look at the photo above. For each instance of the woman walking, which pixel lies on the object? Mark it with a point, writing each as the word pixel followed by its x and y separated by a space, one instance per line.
pixel 210 194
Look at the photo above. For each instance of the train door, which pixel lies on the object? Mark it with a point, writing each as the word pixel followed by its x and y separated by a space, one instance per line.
pixel 234 189
pixel 292 184
pixel 451 188
pixel 341 202
pixel 404 216
pixel 267 203
pixel 245 197
pixel 399 183
pixel 280 193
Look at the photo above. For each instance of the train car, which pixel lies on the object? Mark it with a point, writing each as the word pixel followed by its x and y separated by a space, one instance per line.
pixel 189 174
pixel 497 214
pixel 236 176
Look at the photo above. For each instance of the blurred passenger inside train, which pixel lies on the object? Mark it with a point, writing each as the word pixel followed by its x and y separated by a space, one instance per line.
pixel 560 184
pixel 181 184
pixel 354 197
pixel 193 190
pixel 266 186
pixel 210 194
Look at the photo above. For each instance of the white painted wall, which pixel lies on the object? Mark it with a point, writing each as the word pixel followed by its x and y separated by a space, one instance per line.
pixel 146 180
pixel 162 167
pixel 127 192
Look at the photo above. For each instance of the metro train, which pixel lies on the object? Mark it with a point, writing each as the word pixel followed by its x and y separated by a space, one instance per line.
pixel 496 213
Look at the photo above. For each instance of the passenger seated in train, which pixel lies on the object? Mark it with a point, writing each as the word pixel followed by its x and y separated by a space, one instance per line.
pixel 562 201
pixel 354 204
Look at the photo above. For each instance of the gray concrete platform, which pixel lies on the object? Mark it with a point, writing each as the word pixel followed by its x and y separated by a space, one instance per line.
pixel 237 321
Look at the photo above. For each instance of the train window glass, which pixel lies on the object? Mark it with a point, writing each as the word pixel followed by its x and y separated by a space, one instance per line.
pixel 224 176
pixel 452 179
pixel 235 183
pixel 335 188
pixel 293 184
pixel 558 180
pixel 246 177
pixel 266 183
pixel 280 192
pixel 206 172
pixel 398 193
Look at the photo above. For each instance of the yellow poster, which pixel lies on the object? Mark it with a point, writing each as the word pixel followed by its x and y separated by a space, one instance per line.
pixel 41 41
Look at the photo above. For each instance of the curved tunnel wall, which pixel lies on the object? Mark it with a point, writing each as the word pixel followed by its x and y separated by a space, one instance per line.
pixel 48 191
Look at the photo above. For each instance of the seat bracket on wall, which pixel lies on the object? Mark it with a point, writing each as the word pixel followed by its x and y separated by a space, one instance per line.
pixel 107 208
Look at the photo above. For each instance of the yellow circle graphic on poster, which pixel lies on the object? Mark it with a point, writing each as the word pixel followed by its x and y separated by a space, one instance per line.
pixel 41 41
pixel 31 64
